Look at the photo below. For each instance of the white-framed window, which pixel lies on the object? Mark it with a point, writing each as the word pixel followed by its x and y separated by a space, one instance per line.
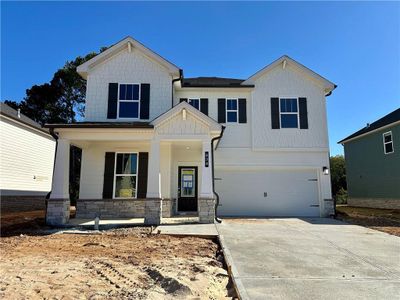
pixel 388 142
pixel 195 102
pixel 289 112
pixel 128 100
pixel 125 175
pixel 231 110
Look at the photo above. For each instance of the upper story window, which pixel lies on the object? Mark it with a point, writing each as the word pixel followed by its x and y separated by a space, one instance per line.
pixel 125 175
pixel 388 142
pixel 289 113
pixel 128 101
pixel 195 103
pixel 231 110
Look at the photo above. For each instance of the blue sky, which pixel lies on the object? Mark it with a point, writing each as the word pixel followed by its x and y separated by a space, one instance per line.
pixel 354 44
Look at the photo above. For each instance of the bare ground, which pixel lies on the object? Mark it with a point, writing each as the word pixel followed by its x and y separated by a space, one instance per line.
pixel 114 264
pixel 386 220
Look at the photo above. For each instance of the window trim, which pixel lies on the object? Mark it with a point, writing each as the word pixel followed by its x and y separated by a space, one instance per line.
pixel 289 113
pixel 138 101
pixel 391 142
pixel 115 174
pixel 232 110
pixel 198 99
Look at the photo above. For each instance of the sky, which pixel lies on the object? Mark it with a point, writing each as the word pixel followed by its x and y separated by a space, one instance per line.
pixel 356 45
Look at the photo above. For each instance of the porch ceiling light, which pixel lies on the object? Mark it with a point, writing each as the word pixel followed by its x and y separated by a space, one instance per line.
pixel 325 170
pixel 184 114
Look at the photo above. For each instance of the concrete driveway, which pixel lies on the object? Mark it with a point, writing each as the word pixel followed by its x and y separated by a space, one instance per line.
pixel 310 259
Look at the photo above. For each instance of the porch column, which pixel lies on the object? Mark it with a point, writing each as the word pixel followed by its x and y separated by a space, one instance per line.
pixel 206 199
pixel 153 202
pixel 58 205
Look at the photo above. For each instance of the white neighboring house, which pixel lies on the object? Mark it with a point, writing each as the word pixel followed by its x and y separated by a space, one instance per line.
pixel 154 143
pixel 26 161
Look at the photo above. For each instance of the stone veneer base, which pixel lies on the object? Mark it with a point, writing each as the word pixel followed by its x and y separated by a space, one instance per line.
pixel 58 211
pixel 206 210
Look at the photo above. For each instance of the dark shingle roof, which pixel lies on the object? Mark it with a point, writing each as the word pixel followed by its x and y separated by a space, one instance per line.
pixel 394 116
pixel 213 82
pixel 102 125
pixel 13 114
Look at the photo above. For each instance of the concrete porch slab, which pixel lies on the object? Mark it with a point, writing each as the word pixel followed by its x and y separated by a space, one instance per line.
pixel 203 230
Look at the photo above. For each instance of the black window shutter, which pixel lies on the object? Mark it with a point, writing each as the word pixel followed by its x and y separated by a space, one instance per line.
pixel 242 111
pixel 108 175
pixel 183 99
pixel 112 100
pixel 275 113
pixel 221 110
pixel 303 113
pixel 144 101
pixel 142 174
pixel 204 106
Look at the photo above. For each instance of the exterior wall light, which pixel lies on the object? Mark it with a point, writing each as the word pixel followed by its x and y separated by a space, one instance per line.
pixel 325 170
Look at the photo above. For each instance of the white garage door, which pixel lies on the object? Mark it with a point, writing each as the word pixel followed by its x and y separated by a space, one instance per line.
pixel 268 193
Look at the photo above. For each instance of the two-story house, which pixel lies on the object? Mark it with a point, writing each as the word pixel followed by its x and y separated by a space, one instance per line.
pixel 156 144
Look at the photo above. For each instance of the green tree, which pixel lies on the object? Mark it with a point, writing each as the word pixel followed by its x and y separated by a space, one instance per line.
pixel 338 178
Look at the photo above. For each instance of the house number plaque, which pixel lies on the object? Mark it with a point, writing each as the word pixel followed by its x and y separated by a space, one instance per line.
pixel 206 159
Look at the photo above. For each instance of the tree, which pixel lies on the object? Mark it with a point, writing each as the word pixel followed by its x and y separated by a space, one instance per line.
pixel 338 178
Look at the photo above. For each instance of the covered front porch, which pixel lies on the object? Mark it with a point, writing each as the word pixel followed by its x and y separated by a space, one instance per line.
pixel 157 171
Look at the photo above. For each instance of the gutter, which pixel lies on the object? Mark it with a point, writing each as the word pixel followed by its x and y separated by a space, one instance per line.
pixel 173 81
pixel 217 138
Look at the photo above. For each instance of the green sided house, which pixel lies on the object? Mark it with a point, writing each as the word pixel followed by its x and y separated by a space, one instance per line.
pixel 373 163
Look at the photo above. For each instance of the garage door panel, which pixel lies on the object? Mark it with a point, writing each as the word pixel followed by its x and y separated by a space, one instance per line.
pixel 288 193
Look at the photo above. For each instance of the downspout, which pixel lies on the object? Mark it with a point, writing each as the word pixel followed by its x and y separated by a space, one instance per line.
pixel 172 90
pixel 55 136
pixel 217 138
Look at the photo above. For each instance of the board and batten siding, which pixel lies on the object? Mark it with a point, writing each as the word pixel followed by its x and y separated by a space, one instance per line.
pixel 127 67
pixel 288 82
pixel 27 159
pixel 370 173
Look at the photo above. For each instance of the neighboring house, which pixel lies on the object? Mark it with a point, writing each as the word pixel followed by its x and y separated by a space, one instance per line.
pixel 372 157
pixel 26 161
pixel 151 139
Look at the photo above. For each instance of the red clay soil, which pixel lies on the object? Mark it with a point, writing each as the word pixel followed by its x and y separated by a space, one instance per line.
pixel 386 220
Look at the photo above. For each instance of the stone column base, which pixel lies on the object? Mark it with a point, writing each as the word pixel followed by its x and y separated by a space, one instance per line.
pixel 167 211
pixel 57 211
pixel 152 211
pixel 206 211
pixel 329 208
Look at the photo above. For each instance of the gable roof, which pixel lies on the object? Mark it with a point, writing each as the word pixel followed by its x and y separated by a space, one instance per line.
pixel 214 125
pixel 214 82
pixel 11 113
pixel 126 43
pixel 328 85
pixel 390 118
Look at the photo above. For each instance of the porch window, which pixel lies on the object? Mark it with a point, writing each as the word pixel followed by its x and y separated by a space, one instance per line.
pixel 128 101
pixel 231 110
pixel 125 183
pixel 388 142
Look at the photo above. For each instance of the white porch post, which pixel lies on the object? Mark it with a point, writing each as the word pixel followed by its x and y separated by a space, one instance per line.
pixel 58 205
pixel 206 199
pixel 153 202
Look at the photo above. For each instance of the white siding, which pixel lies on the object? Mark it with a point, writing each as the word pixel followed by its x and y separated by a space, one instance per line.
pixel 288 82
pixel 236 135
pixel 127 67
pixel 27 158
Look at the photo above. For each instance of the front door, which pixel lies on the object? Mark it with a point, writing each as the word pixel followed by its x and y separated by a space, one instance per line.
pixel 187 189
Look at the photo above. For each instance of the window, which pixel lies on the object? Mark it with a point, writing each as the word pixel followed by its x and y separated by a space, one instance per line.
pixel 195 103
pixel 125 183
pixel 128 101
pixel 388 142
pixel 289 113
pixel 231 110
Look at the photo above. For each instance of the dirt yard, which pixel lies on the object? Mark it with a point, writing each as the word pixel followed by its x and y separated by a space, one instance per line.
pixel 386 220
pixel 126 263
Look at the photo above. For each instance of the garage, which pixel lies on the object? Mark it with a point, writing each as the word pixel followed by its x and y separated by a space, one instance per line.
pixel 272 193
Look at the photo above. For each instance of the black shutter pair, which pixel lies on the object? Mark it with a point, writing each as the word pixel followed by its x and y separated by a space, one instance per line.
pixel 113 101
pixel 203 104
pixel 302 113
pixel 108 183
pixel 242 110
